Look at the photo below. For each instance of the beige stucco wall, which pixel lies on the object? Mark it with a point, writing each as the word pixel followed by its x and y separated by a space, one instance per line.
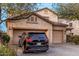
pixel 52 16
pixel 41 24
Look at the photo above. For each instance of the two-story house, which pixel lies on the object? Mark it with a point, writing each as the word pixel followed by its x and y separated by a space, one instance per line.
pixel 43 20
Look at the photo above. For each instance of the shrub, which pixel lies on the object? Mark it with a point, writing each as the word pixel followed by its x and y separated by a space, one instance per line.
pixel 6 51
pixel 0 33
pixel 76 39
pixel 69 38
pixel 73 39
pixel 5 38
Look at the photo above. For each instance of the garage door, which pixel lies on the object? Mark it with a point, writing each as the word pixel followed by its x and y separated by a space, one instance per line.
pixel 17 33
pixel 57 36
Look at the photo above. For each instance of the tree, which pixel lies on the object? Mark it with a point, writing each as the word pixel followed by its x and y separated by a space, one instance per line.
pixel 18 8
pixel 6 38
pixel 0 12
pixel 68 10
pixel 11 9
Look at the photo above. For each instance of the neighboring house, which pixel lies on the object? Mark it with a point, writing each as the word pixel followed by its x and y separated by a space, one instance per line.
pixel 73 26
pixel 44 20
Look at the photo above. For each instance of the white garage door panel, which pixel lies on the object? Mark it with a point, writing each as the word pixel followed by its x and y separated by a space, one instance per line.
pixel 58 36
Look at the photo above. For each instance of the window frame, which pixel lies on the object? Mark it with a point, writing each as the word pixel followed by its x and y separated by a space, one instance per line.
pixel 32 19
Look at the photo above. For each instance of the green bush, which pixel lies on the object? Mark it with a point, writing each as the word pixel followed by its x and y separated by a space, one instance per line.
pixel 69 38
pixel 73 39
pixel 5 38
pixel 6 51
pixel 76 39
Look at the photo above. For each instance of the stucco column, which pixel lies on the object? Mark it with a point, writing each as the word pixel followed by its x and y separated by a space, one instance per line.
pixel 50 37
pixel 10 33
pixel 64 37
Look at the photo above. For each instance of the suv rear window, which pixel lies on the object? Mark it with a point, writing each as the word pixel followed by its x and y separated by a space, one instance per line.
pixel 38 36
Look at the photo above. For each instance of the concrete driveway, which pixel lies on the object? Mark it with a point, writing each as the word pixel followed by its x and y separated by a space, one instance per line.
pixel 57 50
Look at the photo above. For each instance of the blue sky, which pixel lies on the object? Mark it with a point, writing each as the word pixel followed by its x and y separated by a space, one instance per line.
pixel 48 5
pixel 42 5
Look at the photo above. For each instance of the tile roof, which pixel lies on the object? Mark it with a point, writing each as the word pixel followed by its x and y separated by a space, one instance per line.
pixel 26 15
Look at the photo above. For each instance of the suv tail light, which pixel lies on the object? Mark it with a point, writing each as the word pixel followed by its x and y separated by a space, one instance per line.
pixel 28 40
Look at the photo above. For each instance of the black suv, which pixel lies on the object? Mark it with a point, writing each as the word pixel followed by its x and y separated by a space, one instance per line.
pixel 39 43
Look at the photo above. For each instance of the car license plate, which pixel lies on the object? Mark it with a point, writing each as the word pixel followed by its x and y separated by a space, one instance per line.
pixel 38 43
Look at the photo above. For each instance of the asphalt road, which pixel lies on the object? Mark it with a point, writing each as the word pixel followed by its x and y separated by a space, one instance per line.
pixel 57 50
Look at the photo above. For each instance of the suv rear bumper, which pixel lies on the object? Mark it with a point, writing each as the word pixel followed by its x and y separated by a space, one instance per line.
pixel 37 49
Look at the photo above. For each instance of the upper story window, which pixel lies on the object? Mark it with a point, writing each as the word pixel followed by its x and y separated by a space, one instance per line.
pixel 32 19
pixel 70 24
pixel 78 21
pixel 35 19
